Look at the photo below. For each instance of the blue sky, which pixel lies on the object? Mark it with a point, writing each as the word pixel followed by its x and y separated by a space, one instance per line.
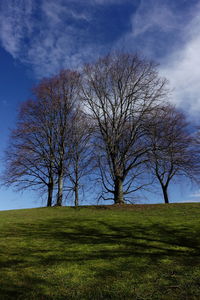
pixel 40 37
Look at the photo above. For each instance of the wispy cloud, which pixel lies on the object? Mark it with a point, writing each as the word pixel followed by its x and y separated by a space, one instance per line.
pixel 57 11
pixel 44 37
pixel 50 35
pixel 15 24
pixel 170 36
pixel 58 41
pixel 155 29
pixel 152 16
pixel 182 67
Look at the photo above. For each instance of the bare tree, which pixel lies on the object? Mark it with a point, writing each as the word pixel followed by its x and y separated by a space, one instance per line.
pixel 29 157
pixel 171 152
pixel 38 149
pixel 119 92
pixel 65 97
pixel 80 163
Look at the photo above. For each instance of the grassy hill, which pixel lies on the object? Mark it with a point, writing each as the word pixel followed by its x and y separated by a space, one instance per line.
pixel 135 252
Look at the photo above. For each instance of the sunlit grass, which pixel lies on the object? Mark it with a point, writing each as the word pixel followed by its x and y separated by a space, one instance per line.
pixel 140 252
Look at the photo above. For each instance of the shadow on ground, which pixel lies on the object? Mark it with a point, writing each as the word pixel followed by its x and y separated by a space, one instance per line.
pixel 166 256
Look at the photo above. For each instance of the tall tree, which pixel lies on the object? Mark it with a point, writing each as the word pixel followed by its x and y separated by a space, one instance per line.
pixel 38 148
pixel 120 91
pixel 80 163
pixel 171 152
pixel 66 102
pixel 61 93
pixel 29 157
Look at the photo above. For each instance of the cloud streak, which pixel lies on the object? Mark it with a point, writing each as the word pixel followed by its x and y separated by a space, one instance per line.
pixel 15 24
pixel 44 41
pixel 170 36
pixel 151 16
pixel 50 35
pixel 182 67
pixel 155 29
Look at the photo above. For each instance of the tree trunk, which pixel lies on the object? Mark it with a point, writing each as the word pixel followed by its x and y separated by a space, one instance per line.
pixel 76 185
pixel 50 194
pixel 165 194
pixel 76 201
pixel 60 189
pixel 118 192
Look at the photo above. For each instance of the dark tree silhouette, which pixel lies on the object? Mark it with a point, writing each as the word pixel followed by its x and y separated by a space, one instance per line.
pixel 80 145
pixel 38 151
pixel 120 91
pixel 30 154
pixel 172 153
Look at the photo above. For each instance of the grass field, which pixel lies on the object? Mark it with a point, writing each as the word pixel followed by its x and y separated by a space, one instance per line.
pixel 135 252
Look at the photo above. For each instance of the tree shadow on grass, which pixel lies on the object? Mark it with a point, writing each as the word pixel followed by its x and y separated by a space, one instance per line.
pixel 107 250
pixel 23 290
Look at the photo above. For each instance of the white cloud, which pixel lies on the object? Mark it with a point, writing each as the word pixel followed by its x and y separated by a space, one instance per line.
pixel 45 40
pixel 155 14
pixel 56 10
pixel 44 34
pixel 182 68
pixel 15 23
pixel 172 38
pixel 150 24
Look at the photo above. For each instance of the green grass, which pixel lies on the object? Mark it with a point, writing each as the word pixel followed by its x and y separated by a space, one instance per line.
pixel 136 252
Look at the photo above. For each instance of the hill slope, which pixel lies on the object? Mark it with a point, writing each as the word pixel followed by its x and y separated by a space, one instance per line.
pixel 135 252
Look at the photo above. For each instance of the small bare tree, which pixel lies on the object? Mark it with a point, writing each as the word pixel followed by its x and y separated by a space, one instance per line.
pixel 171 152
pixel 65 100
pixel 80 163
pixel 119 92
